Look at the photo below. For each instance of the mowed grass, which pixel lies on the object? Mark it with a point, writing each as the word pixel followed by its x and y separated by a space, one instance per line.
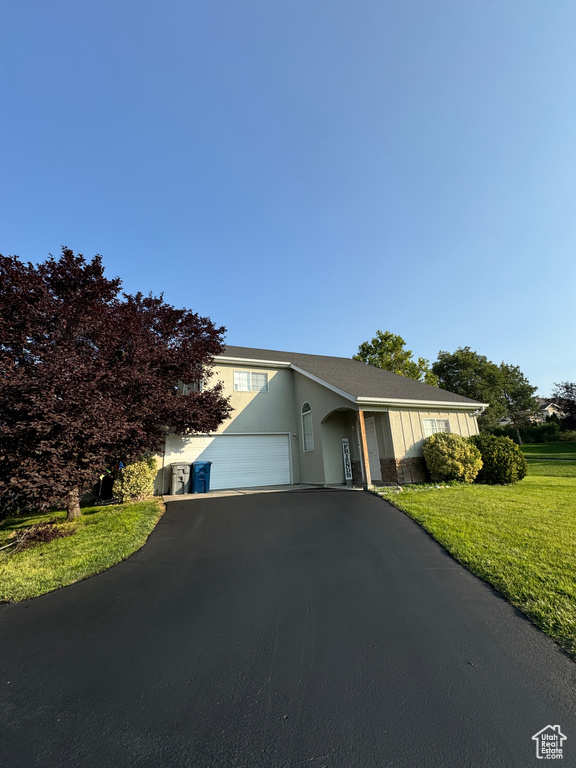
pixel 520 538
pixel 550 451
pixel 103 537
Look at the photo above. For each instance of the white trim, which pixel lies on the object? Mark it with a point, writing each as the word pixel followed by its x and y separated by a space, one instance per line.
pixel 307 413
pixel 318 380
pixel 248 362
pixel 428 404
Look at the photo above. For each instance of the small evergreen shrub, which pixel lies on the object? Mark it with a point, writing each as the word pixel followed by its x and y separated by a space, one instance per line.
pixel 503 461
pixel 451 457
pixel 569 436
pixel 136 480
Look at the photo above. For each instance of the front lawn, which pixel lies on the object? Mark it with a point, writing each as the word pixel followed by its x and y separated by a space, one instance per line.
pixel 103 537
pixel 520 538
pixel 550 451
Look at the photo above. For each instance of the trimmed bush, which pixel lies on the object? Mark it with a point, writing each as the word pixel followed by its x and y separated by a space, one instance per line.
pixel 451 457
pixel 569 436
pixel 136 480
pixel 503 461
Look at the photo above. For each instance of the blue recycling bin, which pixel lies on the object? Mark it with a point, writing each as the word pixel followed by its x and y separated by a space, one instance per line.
pixel 201 476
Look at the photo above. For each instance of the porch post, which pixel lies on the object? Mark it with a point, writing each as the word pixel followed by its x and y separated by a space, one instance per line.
pixel 364 446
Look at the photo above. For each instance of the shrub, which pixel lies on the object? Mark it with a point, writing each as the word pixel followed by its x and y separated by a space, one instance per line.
pixel 569 436
pixel 136 480
pixel 531 433
pixel 503 461
pixel 451 457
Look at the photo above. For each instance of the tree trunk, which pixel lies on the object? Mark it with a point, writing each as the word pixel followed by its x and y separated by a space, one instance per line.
pixel 73 505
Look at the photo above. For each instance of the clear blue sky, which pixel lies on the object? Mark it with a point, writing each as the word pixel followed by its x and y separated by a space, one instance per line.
pixel 307 172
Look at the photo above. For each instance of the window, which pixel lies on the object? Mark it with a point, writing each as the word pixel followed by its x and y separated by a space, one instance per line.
pixel 195 386
pixel 247 381
pixel 431 426
pixel 307 428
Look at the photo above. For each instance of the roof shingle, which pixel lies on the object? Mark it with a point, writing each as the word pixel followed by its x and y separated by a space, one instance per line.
pixel 357 379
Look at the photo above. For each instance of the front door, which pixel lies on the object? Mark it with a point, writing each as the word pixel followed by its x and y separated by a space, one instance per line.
pixel 372 443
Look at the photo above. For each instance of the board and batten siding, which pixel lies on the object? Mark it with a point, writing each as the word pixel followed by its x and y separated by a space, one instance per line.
pixel 408 432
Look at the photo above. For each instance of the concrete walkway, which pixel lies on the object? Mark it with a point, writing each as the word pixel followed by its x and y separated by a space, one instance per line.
pixel 249 491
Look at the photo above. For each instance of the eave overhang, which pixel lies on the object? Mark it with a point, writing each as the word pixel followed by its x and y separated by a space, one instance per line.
pixel 363 403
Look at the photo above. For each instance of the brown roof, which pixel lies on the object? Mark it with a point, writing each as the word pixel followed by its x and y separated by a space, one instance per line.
pixel 357 379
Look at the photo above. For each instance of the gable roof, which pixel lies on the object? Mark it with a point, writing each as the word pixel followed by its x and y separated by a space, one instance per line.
pixel 359 381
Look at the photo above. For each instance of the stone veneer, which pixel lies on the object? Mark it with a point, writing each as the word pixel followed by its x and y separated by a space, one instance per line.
pixel 401 471
pixel 356 472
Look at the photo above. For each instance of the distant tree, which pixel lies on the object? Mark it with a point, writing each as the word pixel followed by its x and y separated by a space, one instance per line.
pixel 89 376
pixel 503 386
pixel 518 396
pixel 467 373
pixel 564 396
pixel 387 351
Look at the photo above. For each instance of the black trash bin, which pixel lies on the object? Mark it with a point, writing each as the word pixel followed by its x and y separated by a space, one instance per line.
pixel 201 476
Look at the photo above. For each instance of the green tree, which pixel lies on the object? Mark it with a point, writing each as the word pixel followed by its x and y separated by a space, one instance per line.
pixel 517 395
pixel 503 386
pixel 387 351
pixel 564 395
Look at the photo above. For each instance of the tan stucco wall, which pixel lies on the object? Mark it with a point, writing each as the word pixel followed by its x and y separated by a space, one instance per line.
pixel 337 426
pixel 408 434
pixel 261 412
pixel 323 403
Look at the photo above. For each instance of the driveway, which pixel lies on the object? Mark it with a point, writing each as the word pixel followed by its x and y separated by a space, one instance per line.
pixel 305 629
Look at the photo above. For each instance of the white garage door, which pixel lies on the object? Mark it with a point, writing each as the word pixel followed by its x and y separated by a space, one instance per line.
pixel 238 461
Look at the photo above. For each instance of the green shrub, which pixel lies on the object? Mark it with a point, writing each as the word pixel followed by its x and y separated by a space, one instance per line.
pixel 451 457
pixel 503 461
pixel 569 436
pixel 136 480
pixel 531 433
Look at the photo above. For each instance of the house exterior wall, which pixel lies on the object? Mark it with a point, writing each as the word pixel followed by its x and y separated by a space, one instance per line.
pixel 408 432
pixel 404 463
pixel 399 431
pixel 258 412
pixel 321 465
pixel 261 412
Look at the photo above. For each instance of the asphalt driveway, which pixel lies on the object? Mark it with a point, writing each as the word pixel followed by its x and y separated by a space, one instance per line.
pixel 309 629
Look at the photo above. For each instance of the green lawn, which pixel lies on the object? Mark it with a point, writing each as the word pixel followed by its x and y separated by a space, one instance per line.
pixel 550 451
pixel 103 537
pixel 520 538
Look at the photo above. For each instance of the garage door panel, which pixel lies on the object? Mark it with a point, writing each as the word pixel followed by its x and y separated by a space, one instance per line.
pixel 238 461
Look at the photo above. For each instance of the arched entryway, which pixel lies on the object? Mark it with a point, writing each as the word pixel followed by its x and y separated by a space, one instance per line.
pixel 339 424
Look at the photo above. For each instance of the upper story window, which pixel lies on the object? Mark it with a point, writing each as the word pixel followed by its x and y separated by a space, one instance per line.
pixel 307 428
pixel 195 386
pixel 250 381
pixel 431 426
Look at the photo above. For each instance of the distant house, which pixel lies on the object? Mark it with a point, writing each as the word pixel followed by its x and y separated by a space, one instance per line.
pixel 546 407
pixel 292 412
